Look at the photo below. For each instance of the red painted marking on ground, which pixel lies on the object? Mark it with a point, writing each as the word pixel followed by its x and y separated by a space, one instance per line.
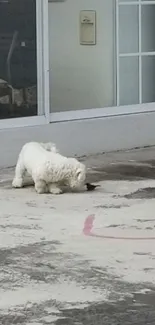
pixel 88 227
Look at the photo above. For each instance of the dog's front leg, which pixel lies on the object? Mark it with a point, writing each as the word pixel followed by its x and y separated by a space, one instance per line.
pixel 40 186
pixel 54 189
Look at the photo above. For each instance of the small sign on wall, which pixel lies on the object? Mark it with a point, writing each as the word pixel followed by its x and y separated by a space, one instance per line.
pixel 88 27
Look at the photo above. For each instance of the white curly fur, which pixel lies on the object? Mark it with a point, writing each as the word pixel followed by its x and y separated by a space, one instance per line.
pixel 48 168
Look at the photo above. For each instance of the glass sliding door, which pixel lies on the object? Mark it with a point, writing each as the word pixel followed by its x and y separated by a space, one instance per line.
pixel 117 70
pixel 18 59
pixel 135 52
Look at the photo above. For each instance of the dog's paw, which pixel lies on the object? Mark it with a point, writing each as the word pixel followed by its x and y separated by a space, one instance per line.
pixel 41 190
pixel 17 182
pixel 55 190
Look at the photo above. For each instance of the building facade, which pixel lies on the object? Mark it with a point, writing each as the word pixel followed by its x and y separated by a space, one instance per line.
pixel 78 73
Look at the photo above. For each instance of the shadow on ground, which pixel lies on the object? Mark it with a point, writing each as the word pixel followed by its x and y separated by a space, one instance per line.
pixel 123 171
pixel 140 310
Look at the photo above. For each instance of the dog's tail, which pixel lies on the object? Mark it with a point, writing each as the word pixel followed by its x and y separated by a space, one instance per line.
pixel 49 146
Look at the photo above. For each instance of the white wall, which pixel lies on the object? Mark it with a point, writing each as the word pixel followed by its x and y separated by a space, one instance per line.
pixel 82 137
pixel 81 76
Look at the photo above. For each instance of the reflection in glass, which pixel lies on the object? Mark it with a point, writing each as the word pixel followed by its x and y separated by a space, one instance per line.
pixel 128 28
pixel 129 80
pixel 148 79
pixel 18 68
pixel 148 28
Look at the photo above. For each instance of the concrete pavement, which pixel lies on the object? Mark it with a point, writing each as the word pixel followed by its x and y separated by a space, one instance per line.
pixel 81 258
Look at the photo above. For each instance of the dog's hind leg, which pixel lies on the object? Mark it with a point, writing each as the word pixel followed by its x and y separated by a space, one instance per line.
pixel 19 174
pixel 54 189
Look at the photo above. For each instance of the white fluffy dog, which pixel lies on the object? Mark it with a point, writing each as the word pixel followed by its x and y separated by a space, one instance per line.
pixel 48 169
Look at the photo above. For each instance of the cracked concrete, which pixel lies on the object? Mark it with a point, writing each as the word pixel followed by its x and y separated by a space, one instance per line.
pixel 52 272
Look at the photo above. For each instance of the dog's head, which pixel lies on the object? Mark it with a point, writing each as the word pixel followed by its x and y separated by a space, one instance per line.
pixel 49 146
pixel 77 179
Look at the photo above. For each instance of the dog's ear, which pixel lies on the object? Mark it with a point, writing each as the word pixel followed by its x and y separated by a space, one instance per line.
pixel 78 173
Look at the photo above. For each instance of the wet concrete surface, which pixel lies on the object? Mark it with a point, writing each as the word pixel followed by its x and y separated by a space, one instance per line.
pixel 34 257
pixel 140 309
pixel 130 311
pixel 123 171
pixel 148 192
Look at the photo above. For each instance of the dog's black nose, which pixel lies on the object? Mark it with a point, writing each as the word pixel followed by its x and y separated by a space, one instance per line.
pixel 91 187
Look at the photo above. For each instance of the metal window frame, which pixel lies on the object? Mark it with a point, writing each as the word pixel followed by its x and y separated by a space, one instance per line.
pixel 139 54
